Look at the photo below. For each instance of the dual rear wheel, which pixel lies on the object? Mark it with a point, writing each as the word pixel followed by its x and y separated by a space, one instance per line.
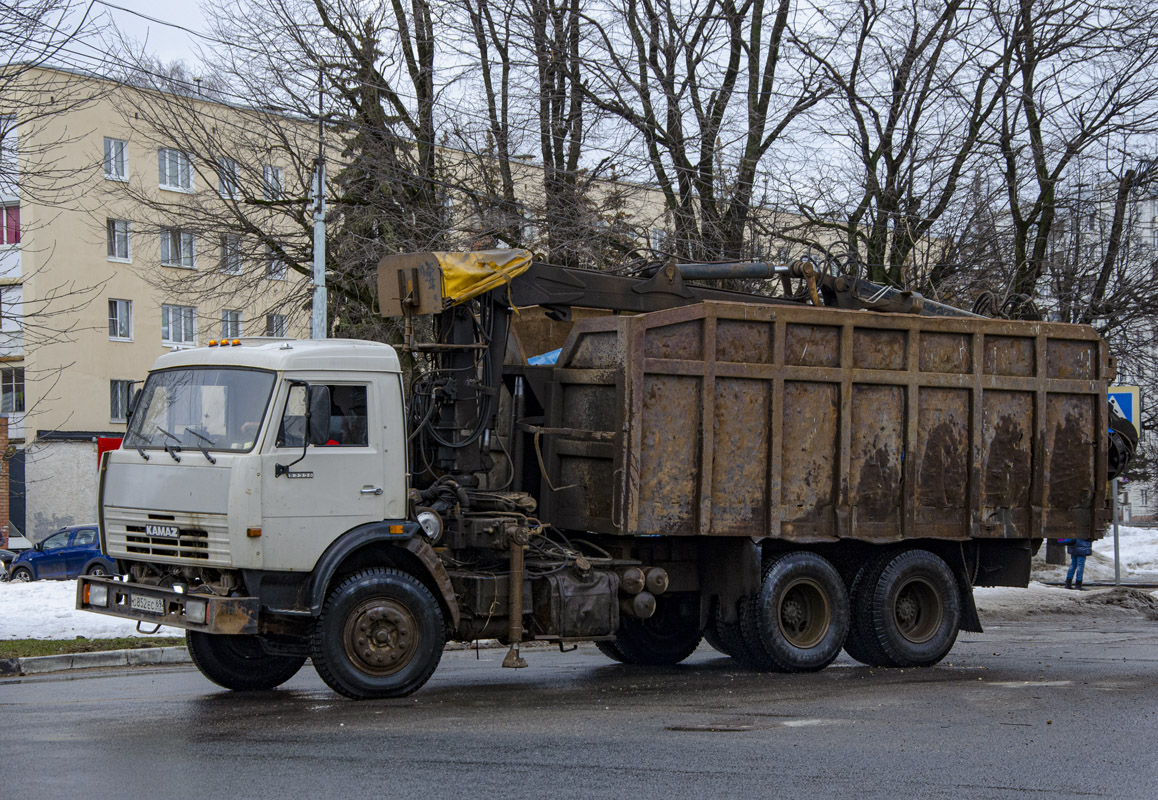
pixel 902 609
pixel 906 610
pixel 796 623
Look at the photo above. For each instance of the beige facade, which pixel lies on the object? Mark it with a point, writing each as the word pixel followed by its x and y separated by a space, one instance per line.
pixel 91 292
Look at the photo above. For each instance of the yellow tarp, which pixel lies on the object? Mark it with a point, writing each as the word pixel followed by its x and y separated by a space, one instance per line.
pixel 467 275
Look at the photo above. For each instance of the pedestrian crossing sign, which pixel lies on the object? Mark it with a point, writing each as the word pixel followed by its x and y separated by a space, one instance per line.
pixel 1128 400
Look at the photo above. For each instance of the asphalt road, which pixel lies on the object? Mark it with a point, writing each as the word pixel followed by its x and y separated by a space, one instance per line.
pixel 1054 707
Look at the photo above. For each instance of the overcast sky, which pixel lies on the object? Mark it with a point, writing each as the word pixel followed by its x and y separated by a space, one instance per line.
pixel 169 44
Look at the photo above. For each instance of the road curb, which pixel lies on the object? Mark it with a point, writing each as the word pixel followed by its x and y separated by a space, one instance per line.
pixel 141 657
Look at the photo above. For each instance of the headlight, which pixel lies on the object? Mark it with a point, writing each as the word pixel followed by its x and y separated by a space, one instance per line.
pixel 97 595
pixel 195 611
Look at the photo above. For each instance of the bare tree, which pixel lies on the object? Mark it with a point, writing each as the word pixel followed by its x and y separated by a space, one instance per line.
pixel 708 88
pixel 523 59
pixel 914 86
pixel 1083 75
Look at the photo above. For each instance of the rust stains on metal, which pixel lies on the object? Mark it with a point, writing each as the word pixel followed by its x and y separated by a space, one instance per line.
pixel 732 419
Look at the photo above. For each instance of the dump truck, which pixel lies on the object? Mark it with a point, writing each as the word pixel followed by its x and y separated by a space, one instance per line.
pixel 643 461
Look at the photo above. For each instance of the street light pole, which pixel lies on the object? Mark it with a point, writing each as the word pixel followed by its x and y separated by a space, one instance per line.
pixel 318 322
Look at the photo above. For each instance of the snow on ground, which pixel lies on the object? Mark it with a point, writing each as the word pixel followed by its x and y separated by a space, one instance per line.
pixel 46 609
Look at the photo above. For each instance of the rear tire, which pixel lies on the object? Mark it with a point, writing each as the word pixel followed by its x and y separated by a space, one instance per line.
pixel 239 663
pixel 915 610
pixel 732 640
pixel 380 634
pixel 803 612
pixel 750 630
pixel 667 637
pixel 860 643
pixel 712 637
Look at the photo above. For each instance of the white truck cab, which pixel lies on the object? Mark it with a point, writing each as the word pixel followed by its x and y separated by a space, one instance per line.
pixel 214 471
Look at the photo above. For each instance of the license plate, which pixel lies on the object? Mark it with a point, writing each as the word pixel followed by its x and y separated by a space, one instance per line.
pixel 153 605
pixel 163 531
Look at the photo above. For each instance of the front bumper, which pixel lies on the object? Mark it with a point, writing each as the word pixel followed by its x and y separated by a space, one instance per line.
pixel 157 606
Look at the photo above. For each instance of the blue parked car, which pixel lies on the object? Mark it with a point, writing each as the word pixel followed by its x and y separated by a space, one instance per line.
pixel 65 554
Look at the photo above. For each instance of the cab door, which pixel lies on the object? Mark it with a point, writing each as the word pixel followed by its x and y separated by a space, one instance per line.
pixel 311 496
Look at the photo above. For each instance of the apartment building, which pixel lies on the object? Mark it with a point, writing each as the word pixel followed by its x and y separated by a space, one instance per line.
pixel 101 272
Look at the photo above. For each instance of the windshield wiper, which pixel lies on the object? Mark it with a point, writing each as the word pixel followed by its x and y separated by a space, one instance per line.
pixel 172 450
pixel 204 449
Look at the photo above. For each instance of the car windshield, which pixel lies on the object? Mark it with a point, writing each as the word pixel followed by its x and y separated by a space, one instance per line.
pixel 201 407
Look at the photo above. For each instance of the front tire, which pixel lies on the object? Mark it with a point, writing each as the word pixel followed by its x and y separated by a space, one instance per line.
pixel 803 612
pixel 21 575
pixel 380 634
pixel 97 570
pixel 239 663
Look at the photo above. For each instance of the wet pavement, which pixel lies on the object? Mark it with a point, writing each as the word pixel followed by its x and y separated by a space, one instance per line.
pixel 1058 706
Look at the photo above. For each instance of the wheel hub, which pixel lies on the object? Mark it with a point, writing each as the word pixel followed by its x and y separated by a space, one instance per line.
pixel 804 613
pixel 918 611
pixel 380 636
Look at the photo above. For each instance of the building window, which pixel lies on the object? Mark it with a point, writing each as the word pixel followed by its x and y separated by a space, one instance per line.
pixel 230 324
pixel 274 266
pixel 174 170
pixel 120 392
pixel 177 248
pixel 228 177
pixel 10 229
pixel 116 159
pixel 179 324
pixel 275 325
pixel 118 234
pixel 273 182
pixel 121 319
pixel 12 390
pixel 231 254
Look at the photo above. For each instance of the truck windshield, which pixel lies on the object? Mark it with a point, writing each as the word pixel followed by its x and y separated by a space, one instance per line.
pixel 206 407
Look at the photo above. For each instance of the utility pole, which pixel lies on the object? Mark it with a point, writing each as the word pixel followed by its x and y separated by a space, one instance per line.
pixel 318 321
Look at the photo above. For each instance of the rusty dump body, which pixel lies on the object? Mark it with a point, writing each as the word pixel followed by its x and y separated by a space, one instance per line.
pixel 814 425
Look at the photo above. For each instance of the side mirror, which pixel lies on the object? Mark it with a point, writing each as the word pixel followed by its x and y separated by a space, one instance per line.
pixel 319 415
pixel 134 401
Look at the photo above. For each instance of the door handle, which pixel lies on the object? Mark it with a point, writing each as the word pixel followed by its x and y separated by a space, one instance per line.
pixel 371 490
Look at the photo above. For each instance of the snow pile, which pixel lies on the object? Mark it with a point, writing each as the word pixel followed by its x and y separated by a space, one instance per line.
pixel 1138 548
pixel 47 610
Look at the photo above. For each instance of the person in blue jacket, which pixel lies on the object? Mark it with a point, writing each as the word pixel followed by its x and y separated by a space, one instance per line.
pixel 1078 550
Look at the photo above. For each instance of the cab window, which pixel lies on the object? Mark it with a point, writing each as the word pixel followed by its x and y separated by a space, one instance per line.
pixel 349 417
